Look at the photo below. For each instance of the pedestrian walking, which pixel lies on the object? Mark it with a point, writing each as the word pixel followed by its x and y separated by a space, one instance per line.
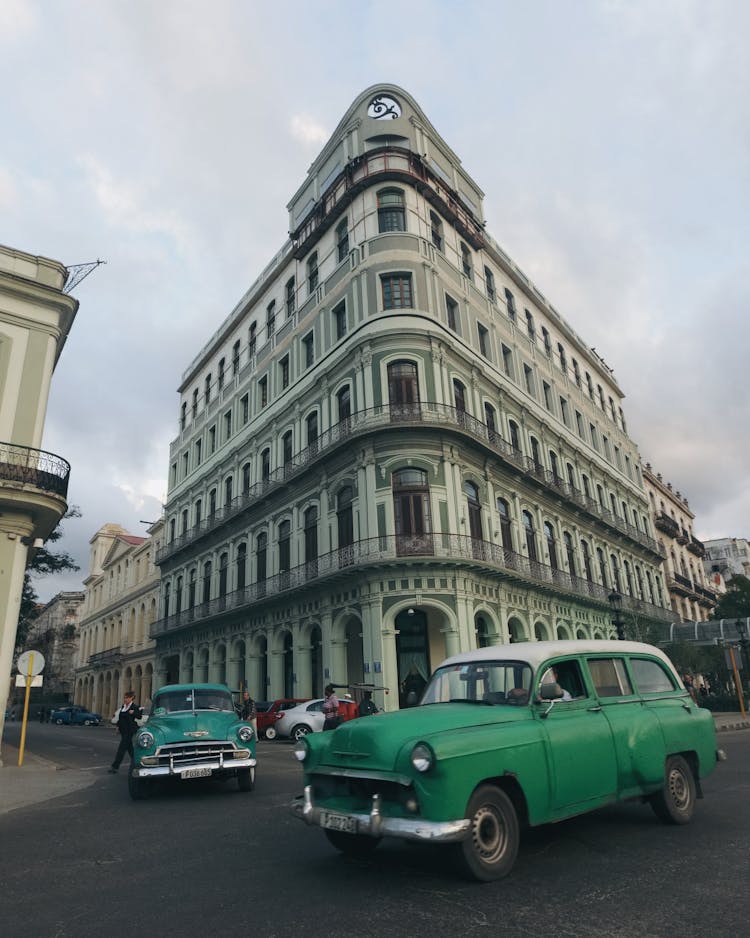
pixel 249 711
pixel 128 713
pixel 331 718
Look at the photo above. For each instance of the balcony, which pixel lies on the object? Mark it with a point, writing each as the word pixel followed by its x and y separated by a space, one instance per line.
pixel 104 659
pixel 28 466
pixel 696 547
pixel 417 415
pixel 666 524
pixel 397 552
pixel 380 165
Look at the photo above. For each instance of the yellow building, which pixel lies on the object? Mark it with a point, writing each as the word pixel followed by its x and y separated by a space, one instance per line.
pixel 35 319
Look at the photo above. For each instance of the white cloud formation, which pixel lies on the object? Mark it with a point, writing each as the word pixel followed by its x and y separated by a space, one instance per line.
pixel 308 131
pixel 18 19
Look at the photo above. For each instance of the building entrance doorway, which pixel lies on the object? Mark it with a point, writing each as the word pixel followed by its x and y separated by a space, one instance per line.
pixel 413 656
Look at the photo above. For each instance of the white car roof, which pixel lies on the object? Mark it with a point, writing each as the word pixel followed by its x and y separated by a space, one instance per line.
pixel 535 653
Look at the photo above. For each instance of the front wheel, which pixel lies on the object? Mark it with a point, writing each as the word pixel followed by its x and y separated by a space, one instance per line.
pixel 299 731
pixel 136 787
pixel 270 733
pixel 352 845
pixel 246 779
pixel 491 845
pixel 675 802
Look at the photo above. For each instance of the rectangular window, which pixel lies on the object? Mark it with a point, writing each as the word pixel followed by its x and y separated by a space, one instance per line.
pixel 270 319
pixel 579 425
pixel 530 325
pixel 528 377
pixel 185 464
pixel 284 371
pixel 484 341
pixel 198 452
pixel 339 320
pixel 605 444
pixel 245 408
pixel 236 357
pixel 397 291
pixel 510 302
pixel 565 411
pixel 263 389
pixel 451 312
pixel 212 439
pixel 220 377
pixel 227 425
pixel 290 297
pixel 489 284
pixel 342 240
pixel 466 265
pixel 436 231
pixel 173 473
pixel 594 437
pixel 308 345
pixel 312 273
pixel 508 362
pixel 547 390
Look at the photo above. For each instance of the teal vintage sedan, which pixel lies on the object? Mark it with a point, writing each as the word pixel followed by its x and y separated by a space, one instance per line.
pixel 508 736
pixel 193 732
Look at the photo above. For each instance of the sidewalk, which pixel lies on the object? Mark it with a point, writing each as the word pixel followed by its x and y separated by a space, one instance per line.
pixel 39 780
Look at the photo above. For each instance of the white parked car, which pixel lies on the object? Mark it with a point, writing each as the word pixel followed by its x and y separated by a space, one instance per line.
pixel 300 720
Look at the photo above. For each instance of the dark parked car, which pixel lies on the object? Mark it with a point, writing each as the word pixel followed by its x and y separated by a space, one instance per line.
pixel 75 716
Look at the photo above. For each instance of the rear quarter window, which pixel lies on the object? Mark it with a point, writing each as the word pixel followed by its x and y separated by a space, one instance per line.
pixel 651 677
pixel 610 677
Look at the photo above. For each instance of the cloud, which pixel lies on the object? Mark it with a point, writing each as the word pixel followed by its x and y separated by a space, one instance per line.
pixel 18 19
pixel 308 131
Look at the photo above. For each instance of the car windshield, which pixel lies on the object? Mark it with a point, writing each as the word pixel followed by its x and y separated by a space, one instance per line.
pixel 179 701
pixel 483 682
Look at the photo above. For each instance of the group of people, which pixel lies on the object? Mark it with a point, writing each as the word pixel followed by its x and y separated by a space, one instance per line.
pixel 331 705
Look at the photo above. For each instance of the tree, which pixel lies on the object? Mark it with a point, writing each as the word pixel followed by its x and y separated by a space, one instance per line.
pixel 735 603
pixel 43 563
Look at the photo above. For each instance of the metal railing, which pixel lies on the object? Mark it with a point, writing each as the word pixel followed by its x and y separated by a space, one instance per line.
pixel 110 656
pixel 31 466
pixel 451 549
pixel 424 414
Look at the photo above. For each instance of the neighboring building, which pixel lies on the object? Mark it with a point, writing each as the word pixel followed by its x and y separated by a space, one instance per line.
pixel 727 557
pixel 394 448
pixel 55 634
pixel 115 652
pixel 690 592
pixel 35 319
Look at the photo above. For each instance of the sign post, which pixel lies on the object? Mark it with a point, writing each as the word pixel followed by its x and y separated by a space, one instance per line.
pixel 737 682
pixel 32 662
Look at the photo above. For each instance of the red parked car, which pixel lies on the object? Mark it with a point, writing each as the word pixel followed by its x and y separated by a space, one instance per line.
pixel 271 712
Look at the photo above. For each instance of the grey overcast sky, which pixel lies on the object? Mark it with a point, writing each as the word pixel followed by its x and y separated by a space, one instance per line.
pixel 610 137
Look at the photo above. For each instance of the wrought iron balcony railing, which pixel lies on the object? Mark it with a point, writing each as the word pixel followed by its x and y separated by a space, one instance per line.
pixel 447 549
pixel 666 524
pixel 31 466
pixel 108 657
pixel 419 414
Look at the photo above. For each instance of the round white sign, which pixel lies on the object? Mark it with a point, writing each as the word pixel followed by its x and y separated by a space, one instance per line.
pixel 37 662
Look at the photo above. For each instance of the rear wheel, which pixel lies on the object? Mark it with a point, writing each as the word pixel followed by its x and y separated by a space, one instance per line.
pixel 246 779
pixel 271 733
pixel 675 802
pixel 299 731
pixel 491 845
pixel 352 845
pixel 137 787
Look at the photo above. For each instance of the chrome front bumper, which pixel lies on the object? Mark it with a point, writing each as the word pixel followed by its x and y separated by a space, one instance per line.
pixel 174 771
pixel 375 824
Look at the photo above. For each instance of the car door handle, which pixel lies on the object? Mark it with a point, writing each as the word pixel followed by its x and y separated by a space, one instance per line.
pixel 594 709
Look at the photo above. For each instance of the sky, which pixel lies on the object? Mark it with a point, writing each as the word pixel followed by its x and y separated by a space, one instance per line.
pixel 611 139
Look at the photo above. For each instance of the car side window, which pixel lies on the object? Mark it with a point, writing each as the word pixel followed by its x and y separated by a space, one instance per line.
pixel 610 677
pixel 568 675
pixel 316 707
pixel 650 676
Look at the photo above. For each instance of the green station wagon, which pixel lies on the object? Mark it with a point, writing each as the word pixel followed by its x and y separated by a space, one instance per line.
pixel 193 732
pixel 507 736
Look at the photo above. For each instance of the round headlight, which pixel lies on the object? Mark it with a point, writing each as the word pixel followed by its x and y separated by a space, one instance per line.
pixel 145 739
pixel 245 733
pixel 300 750
pixel 422 757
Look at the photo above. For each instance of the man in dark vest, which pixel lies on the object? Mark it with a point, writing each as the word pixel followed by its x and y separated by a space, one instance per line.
pixel 126 726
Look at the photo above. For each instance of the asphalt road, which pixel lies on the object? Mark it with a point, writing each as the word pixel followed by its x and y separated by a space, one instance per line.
pixel 203 859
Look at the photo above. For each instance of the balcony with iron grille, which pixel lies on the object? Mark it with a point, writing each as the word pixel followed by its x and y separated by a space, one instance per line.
pixel 395 552
pixel 108 658
pixel 696 547
pixel 27 466
pixel 666 524
pixel 417 415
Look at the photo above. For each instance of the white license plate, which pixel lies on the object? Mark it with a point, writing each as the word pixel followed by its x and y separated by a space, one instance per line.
pixel 194 773
pixel 338 822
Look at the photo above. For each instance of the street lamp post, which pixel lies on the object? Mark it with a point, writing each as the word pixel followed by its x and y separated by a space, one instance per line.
pixel 742 634
pixel 615 601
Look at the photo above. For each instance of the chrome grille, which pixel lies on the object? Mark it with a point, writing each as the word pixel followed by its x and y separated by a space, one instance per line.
pixel 183 755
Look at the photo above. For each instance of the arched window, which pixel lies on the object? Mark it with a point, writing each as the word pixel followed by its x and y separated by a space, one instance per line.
pixel 459 400
pixel 212 503
pixel 615 572
pixel 490 421
pixel 503 510
pixel 206 581
pixel 311 428
pixel 536 459
pixel 178 596
pixel 167 595
pixel 391 210
pixel 241 562
pixel 403 387
pixel 265 465
pixel 344 518
pixel 344 403
pixel 549 533
pixel 311 536
pixel 515 437
pixel 246 470
pixel 191 588
pixel 286 448
pixel 228 486
pixel 261 551
pixel 528 525
pixel 570 553
pixel 411 509
pixel 474 511
pixel 285 554
pixel 586 560
pixel 223 571
pixel 602 566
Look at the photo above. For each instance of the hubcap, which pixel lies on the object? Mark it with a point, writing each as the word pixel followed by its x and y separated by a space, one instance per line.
pixel 488 834
pixel 679 789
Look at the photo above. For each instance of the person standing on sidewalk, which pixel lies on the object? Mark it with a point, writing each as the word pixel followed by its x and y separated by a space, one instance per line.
pixel 126 726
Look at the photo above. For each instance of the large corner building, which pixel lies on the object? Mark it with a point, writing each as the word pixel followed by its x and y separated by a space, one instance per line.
pixel 394 448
